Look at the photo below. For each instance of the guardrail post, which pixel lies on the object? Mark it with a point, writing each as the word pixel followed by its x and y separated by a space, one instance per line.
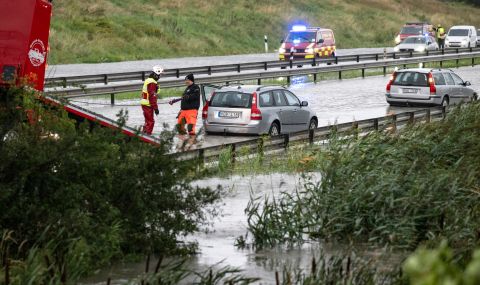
pixel 105 79
pixel 441 63
pixel 286 141
pixel 473 61
pixel 315 77
pixel 355 129
pixel 394 123
pixel 411 118
pixel 375 124
pixel 363 72
pixel 288 80
pixel 458 62
pixel 64 82
pixel 427 53
pixel 311 135
pixel 404 66
pixel 259 81
pixel 427 115
pixel 444 112
pixel 112 99
pixel 358 58
pixel 233 151
pixel 178 73
pixel 376 57
pixel 201 155
pixel 260 147
pixel 393 56
pixel 384 71
pixel 291 63
pixel 457 50
pixel 443 51
pixel 340 74
pixel 143 75
pixel 238 68
pixel 336 60
pixel 411 54
pixel 209 70
pixel 471 49
pixel 314 61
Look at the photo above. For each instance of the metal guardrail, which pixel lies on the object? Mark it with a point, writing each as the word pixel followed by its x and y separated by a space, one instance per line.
pixel 265 65
pixel 314 136
pixel 259 75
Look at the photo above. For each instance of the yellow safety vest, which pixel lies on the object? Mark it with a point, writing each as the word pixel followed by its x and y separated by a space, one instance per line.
pixel 441 33
pixel 145 96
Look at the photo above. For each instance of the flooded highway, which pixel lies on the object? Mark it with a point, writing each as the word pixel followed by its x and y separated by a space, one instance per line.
pixel 334 101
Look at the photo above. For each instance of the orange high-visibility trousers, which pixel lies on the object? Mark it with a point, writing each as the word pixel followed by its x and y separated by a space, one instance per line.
pixel 188 117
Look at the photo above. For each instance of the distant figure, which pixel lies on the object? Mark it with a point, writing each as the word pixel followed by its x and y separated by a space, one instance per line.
pixel 440 34
pixel 149 99
pixel 189 106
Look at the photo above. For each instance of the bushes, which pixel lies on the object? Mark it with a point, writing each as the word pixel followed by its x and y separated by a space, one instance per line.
pixel 116 194
pixel 419 185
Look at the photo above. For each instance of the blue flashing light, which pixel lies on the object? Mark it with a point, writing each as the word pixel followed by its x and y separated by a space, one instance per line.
pixel 298 28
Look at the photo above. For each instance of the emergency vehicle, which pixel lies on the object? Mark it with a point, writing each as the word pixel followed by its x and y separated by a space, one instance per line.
pixel 414 29
pixel 23 57
pixel 304 42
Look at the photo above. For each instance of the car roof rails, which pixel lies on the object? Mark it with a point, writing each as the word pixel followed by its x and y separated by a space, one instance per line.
pixel 269 86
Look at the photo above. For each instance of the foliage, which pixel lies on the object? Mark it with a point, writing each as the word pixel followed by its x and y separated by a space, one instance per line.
pixel 116 195
pixel 437 267
pixel 401 190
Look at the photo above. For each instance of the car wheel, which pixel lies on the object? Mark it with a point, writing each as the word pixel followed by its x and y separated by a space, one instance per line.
pixel 313 124
pixel 274 129
pixel 445 102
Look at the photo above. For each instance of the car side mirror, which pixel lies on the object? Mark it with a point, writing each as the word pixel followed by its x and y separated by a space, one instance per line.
pixel 467 83
pixel 304 104
pixel 321 41
pixel 429 43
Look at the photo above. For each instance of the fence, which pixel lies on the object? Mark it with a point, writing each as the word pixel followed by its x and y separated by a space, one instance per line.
pixel 260 75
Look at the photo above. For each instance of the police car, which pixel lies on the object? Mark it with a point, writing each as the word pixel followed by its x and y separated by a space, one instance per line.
pixel 304 42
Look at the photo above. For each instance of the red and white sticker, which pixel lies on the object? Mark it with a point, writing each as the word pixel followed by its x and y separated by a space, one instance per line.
pixel 37 53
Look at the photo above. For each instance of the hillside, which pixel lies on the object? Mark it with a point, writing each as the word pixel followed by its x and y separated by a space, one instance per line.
pixel 117 30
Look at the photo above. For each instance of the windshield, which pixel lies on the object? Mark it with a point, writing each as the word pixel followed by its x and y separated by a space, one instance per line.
pixel 301 37
pixel 414 40
pixel 458 33
pixel 231 99
pixel 411 30
pixel 411 79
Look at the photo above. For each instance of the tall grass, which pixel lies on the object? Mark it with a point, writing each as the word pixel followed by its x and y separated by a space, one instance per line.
pixel 112 30
pixel 418 186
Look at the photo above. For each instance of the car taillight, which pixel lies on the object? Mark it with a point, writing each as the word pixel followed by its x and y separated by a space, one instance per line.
pixel 205 111
pixel 255 113
pixel 431 82
pixel 389 84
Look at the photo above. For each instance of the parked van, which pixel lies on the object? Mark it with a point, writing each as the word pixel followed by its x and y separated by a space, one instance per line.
pixel 461 37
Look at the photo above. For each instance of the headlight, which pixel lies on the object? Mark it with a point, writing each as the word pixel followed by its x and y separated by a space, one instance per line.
pixel 420 49
pixel 281 50
pixel 396 49
pixel 309 50
pixel 397 39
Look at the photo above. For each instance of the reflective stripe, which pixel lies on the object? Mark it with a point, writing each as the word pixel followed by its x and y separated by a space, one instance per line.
pixel 145 96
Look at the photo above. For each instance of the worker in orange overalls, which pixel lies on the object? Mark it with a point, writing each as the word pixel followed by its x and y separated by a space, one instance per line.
pixel 149 99
pixel 189 106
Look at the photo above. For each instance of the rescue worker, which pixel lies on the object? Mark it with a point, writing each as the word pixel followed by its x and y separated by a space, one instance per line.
pixel 149 99
pixel 440 34
pixel 189 106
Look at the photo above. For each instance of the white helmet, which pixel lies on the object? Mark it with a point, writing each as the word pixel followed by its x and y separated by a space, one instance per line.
pixel 157 69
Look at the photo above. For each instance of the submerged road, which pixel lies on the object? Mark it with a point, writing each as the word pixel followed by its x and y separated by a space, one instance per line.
pixel 334 101
pixel 63 70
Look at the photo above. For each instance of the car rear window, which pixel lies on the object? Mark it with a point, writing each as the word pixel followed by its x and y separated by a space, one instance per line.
pixel 411 78
pixel 231 99
pixel 458 33
pixel 411 30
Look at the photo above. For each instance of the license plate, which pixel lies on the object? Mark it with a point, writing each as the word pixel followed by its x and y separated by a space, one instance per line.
pixel 410 91
pixel 229 115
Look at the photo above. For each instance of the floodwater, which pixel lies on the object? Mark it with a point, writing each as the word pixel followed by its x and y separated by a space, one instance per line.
pixel 216 247
pixel 334 101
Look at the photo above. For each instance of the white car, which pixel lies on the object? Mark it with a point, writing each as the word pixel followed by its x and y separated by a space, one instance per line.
pixel 461 37
pixel 417 44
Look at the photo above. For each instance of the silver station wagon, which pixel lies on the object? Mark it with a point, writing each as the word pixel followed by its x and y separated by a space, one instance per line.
pixel 256 109
pixel 424 86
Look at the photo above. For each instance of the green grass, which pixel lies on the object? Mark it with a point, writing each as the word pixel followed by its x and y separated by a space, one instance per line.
pixel 114 30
